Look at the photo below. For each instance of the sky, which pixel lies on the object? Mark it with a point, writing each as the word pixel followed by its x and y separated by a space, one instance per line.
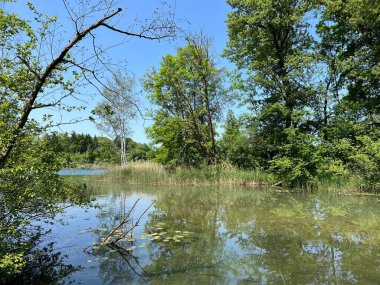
pixel 140 54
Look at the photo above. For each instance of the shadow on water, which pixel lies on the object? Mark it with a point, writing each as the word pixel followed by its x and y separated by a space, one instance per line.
pixel 44 265
pixel 225 236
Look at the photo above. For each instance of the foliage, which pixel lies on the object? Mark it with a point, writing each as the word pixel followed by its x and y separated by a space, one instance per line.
pixel 270 41
pixel 366 161
pixel 235 146
pixel 41 194
pixel 189 92
pixel 75 150
pixel 308 72
pixel 295 162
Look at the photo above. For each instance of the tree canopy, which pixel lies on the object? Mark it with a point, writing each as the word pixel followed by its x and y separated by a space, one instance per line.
pixel 190 93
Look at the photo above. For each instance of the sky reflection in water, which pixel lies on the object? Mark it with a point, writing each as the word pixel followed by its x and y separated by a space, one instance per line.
pixel 226 236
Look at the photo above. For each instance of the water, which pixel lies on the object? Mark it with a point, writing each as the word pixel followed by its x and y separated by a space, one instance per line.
pixel 225 236
pixel 81 172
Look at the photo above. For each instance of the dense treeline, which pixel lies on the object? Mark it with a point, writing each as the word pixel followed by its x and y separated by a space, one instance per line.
pixel 308 74
pixel 76 150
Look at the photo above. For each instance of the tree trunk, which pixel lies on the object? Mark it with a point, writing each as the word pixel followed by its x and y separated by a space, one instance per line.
pixel 123 156
pixel 212 153
pixel 325 113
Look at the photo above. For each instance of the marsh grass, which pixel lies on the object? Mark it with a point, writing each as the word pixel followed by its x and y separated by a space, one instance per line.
pixel 338 184
pixel 150 173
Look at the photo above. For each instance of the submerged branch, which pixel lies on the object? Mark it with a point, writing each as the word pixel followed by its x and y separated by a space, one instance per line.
pixel 112 238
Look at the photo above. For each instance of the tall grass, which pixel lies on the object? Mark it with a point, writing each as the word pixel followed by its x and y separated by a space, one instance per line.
pixel 155 174
pixel 150 173
pixel 338 184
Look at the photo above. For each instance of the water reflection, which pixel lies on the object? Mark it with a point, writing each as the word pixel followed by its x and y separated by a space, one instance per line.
pixel 238 236
pixel 81 172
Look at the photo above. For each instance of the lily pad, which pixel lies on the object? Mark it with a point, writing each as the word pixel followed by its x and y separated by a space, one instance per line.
pixel 131 248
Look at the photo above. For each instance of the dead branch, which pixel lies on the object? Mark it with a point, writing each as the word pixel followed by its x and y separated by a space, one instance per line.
pixel 123 222
pixel 134 225
pixel 112 238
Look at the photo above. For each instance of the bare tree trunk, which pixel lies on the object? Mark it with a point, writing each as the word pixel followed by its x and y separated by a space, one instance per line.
pixel 123 156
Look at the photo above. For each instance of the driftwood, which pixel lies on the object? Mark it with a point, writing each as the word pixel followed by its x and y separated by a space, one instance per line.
pixel 278 184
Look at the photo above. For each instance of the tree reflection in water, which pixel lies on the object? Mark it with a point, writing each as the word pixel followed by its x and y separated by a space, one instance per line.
pixel 244 236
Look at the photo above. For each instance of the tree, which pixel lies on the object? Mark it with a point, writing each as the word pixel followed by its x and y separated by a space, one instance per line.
pixel 349 30
pixel 235 144
pixel 189 91
pixel 29 56
pixel 271 43
pixel 314 98
pixel 117 110
pixel 349 43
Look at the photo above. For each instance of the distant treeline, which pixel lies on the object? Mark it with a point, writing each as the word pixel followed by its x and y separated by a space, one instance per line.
pixel 79 149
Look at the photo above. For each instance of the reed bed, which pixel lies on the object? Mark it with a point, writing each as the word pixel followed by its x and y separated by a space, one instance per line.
pixel 150 173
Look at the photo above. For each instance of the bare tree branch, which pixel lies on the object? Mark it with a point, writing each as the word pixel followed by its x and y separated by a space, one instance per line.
pixel 156 30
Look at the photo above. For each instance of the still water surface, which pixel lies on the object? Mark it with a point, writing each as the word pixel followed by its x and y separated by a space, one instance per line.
pixel 225 236
pixel 80 172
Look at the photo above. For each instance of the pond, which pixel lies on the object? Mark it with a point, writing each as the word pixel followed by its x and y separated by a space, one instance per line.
pixel 224 236
pixel 81 171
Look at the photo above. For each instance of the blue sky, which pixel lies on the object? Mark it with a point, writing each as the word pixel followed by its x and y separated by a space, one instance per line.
pixel 140 55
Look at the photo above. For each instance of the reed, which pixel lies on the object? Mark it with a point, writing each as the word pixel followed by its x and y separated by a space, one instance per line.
pixel 338 184
pixel 150 173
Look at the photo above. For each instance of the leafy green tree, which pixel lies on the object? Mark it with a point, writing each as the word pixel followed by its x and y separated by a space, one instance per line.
pixel 189 92
pixel 309 71
pixel 235 147
pixel 137 151
pixel 271 44
pixel 270 41
pixel 350 45
pixel 349 29
pixel 32 193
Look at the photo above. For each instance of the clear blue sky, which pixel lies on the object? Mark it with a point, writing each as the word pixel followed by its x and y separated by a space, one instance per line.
pixel 140 54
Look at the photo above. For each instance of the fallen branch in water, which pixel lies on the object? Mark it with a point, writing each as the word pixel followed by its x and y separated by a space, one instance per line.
pixel 278 184
pixel 113 237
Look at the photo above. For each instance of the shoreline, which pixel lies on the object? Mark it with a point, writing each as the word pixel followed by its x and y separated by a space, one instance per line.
pixel 149 173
